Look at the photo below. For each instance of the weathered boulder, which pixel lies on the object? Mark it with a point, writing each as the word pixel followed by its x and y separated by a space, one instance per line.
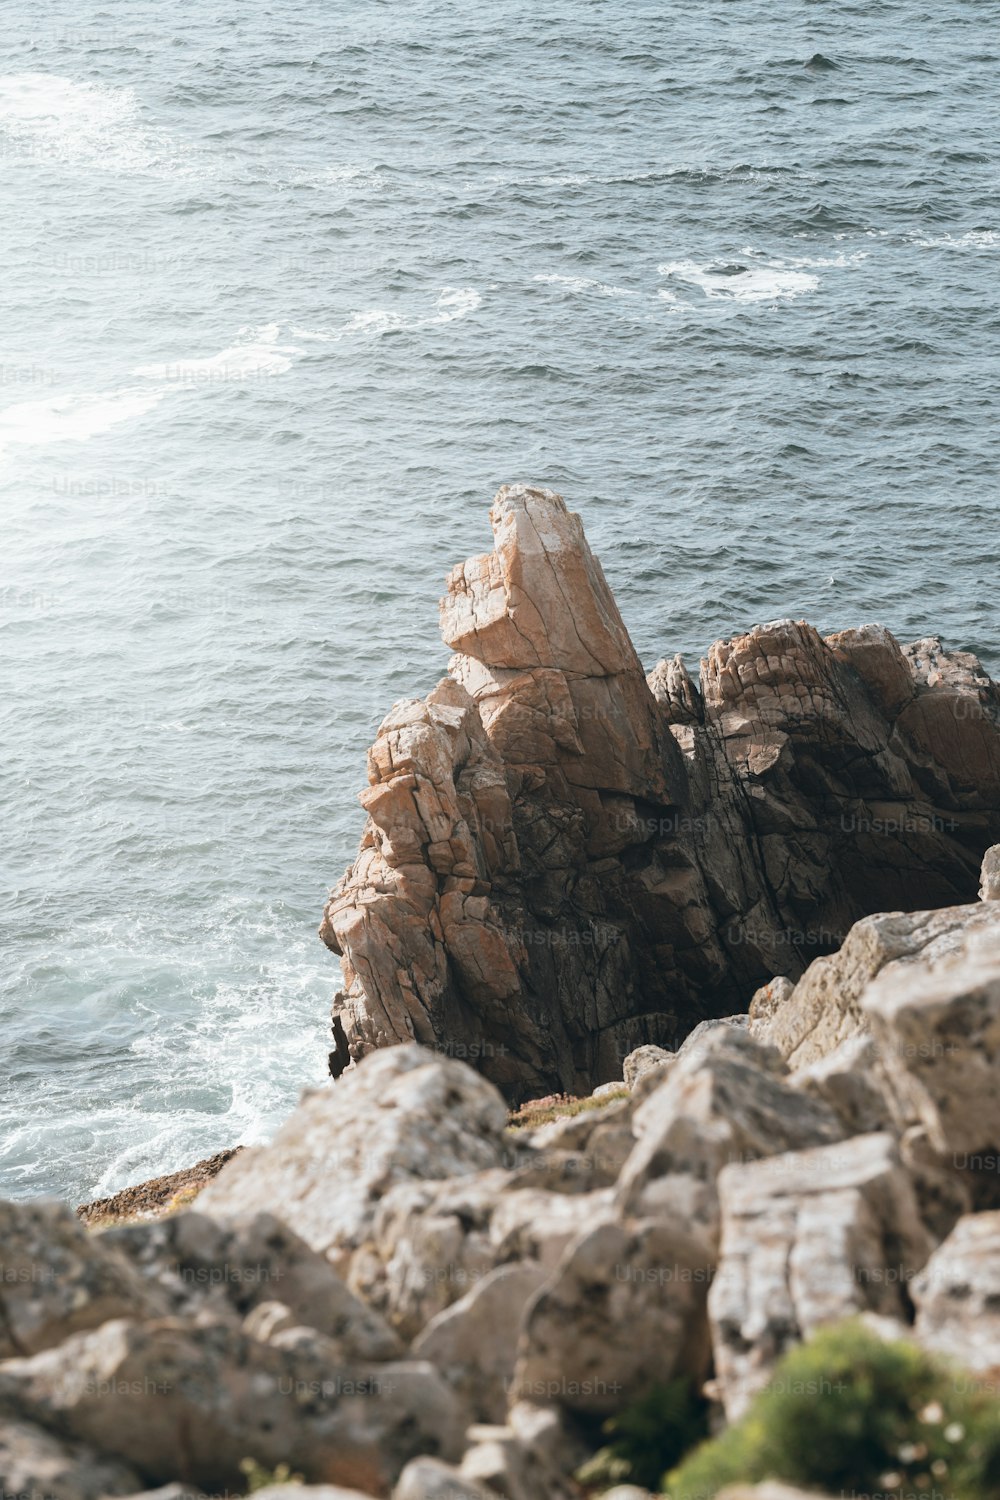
pixel 473 1343
pixel 739 1022
pixel 195 1259
pixel 938 1033
pixel 825 1007
pixel 190 1402
pixel 500 1461
pixel 625 1309
pixel 957 1295
pixel 175 1491
pixel 728 1099
pixel 850 1081
pixel 36 1465
pixel 56 1279
pixel 608 859
pixel 306 1492
pixel 431 1243
pixel 989 884
pixel 808 1238
pixel 643 1060
pixel 944 1191
pixel 407 1115
pixel 430 1479
pixel 768 999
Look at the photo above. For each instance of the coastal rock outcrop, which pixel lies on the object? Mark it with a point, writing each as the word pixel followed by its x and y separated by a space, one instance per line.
pixel 439 1302
pixel 409 1116
pixel 565 861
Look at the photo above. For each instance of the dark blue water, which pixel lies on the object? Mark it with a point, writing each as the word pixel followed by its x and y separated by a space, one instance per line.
pixel 288 290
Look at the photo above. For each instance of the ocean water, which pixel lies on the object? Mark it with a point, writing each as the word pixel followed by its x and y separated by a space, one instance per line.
pixel 288 290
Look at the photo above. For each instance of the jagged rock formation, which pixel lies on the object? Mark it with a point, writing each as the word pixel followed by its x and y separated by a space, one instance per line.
pixel 565 860
pixel 402 1295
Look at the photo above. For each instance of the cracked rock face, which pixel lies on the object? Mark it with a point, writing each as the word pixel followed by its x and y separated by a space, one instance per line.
pixel 565 860
pixel 808 1238
pixel 957 1294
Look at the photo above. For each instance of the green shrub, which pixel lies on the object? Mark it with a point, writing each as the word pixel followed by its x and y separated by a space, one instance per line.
pixel 647 1438
pixel 850 1414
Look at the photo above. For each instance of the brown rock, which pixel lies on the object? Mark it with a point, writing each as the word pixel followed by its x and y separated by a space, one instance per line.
pixel 564 862
pixel 159 1195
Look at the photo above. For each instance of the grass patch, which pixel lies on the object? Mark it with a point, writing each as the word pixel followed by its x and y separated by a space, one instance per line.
pixel 559 1107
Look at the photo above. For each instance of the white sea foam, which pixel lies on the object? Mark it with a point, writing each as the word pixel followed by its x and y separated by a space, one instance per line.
pixel 349 180
pixel 257 354
pixel 975 239
pixel 754 283
pixel 585 284
pixel 452 303
pixel 45 116
pixel 72 418
pixel 77 417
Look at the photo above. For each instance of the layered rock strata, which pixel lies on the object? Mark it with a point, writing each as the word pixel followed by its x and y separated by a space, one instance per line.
pixel 565 860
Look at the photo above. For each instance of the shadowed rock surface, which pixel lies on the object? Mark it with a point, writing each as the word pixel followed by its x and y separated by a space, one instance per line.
pixel 565 860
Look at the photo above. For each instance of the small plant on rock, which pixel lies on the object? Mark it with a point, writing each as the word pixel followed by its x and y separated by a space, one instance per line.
pixel 851 1414
pixel 647 1437
pixel 260 1478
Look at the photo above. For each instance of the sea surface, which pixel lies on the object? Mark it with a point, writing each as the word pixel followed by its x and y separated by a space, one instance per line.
pixel 289 287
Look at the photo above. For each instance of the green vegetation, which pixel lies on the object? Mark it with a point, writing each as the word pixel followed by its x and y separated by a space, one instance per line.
pixel 259 1478
pixel 849 1414
pixel 647 1438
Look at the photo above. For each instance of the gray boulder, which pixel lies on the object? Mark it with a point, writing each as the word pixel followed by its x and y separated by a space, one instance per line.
pixel 851 1082
pixel 642 1060
pixel 196 1260
pixel 625 1309
pixel 175 1401
pixel 473 1343
pixel 957 1295
pixel 825 1007
pixel 937 1028
pixel 430 1479
pixel 728 1099
pixel 404 1115
pixel 37 1465
pixel 56 1279
pixel 808 1238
